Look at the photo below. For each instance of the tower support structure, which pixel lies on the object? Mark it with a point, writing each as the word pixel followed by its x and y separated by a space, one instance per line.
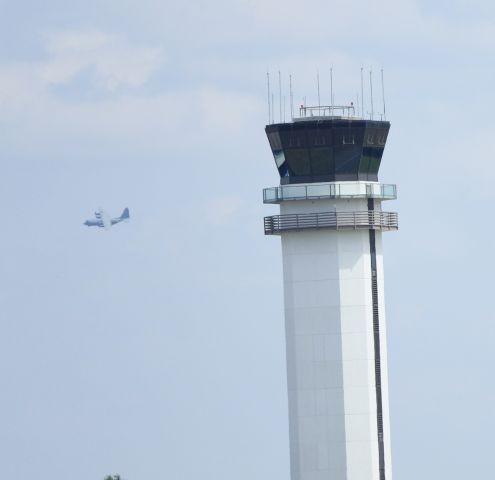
pixel 330 224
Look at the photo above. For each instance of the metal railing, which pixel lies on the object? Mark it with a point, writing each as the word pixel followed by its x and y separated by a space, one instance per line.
pixel 366 220
pixel 327 110
pixel 330 190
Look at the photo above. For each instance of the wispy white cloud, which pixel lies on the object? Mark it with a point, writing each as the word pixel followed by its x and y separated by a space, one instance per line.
pixel 113 60
pixel 32 105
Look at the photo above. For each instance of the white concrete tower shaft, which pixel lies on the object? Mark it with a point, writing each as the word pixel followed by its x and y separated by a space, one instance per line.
pixel 331 235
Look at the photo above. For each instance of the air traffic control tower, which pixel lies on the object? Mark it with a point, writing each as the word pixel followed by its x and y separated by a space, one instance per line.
pixel 330 224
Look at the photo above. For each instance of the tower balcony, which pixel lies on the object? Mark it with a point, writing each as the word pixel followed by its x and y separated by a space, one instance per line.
pixel 366 220
pixel 320 191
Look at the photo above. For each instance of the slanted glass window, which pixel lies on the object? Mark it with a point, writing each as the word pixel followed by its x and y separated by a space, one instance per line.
pixel 295 141
pixel 364 165
pixel 294 137
pixel 347 159
pixel 356 133
pixel 372 136
pixel 381 134
pixel 319 137
pixel 274 140
pixel 279 157
pixel 285 137
pixel 375 156
pixel 322 161
pixel 298 161
pixel 341 136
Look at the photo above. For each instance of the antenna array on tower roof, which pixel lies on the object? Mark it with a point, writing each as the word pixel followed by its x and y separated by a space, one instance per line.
pixel 344 109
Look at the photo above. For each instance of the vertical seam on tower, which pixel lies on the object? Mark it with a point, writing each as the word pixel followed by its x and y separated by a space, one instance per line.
pixel 376 341
pixel 341 346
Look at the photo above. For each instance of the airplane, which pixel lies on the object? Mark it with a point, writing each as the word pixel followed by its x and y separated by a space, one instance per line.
pixel 102 220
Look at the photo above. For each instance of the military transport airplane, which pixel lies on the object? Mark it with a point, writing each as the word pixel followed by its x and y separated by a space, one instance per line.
pixel 102 220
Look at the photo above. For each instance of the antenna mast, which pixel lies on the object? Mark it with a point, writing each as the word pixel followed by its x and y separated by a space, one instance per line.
pixel 371 92
pixel 331 91
pixel 269 106
pixel 318 85
pixel 362 93
pixel 273 110
pixel 291 98
pixel 383 98
pixel 280 95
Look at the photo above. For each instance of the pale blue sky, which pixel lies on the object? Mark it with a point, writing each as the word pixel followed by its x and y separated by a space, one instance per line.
pixel 156 350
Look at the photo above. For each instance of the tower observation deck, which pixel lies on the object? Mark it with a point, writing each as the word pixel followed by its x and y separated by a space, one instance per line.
pixel 330 223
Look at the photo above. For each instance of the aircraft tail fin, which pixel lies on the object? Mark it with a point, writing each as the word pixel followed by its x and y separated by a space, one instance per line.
pixel 125 214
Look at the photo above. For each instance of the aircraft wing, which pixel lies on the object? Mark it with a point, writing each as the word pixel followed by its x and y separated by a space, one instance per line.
pixel 105 219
